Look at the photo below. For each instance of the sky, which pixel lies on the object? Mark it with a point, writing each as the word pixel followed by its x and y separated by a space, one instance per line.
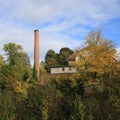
pixel 61 23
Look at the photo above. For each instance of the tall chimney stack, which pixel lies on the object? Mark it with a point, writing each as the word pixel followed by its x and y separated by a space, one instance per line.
pixel 36 52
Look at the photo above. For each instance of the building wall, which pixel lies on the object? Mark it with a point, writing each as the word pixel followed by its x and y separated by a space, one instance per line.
pixel 63 70
pixel 71 62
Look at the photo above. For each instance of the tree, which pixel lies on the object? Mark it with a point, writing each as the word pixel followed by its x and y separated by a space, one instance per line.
pixel 98 54
pixel 7 106
pixel 50 59
pixel 16 57
pixel 53 59
pixel 1 60
pixel 97 68
pixel 15 54
pixel 17 69
pixel 14 75
pixel 63 55
pixel 12 52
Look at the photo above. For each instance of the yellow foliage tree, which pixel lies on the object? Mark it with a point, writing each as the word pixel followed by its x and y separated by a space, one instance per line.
pixel 98 54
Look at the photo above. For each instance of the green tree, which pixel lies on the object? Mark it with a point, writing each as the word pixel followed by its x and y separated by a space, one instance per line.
pixel 14 78
pixel 18 60
pixel 7 106
pixel 33 105
pixel 50 59
pixel 63 55
pixel 1 60
pixel 15 54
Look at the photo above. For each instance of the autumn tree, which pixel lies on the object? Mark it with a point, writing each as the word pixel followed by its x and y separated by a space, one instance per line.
pixel 98 54
pixel 14 75
pixel 97 68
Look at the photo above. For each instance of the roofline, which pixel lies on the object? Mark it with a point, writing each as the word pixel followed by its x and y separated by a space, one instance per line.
pixel 60 66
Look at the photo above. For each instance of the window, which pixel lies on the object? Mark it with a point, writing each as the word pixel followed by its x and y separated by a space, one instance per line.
pixel 70 68
pixel 63 69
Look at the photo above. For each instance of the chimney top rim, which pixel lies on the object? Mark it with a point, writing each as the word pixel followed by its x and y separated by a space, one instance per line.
pixel 36 30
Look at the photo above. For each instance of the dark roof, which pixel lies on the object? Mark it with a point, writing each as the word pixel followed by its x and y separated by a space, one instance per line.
pixel 71 57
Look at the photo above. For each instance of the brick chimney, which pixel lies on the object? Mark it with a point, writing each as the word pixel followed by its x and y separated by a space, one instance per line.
pixel 36 52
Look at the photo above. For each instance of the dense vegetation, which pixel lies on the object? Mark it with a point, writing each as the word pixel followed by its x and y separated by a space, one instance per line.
pixel 53 59
pixel 93 93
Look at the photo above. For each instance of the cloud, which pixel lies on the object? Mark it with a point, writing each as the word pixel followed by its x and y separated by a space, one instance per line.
pixel 41 11
pixel 61 22
pixel 10 33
